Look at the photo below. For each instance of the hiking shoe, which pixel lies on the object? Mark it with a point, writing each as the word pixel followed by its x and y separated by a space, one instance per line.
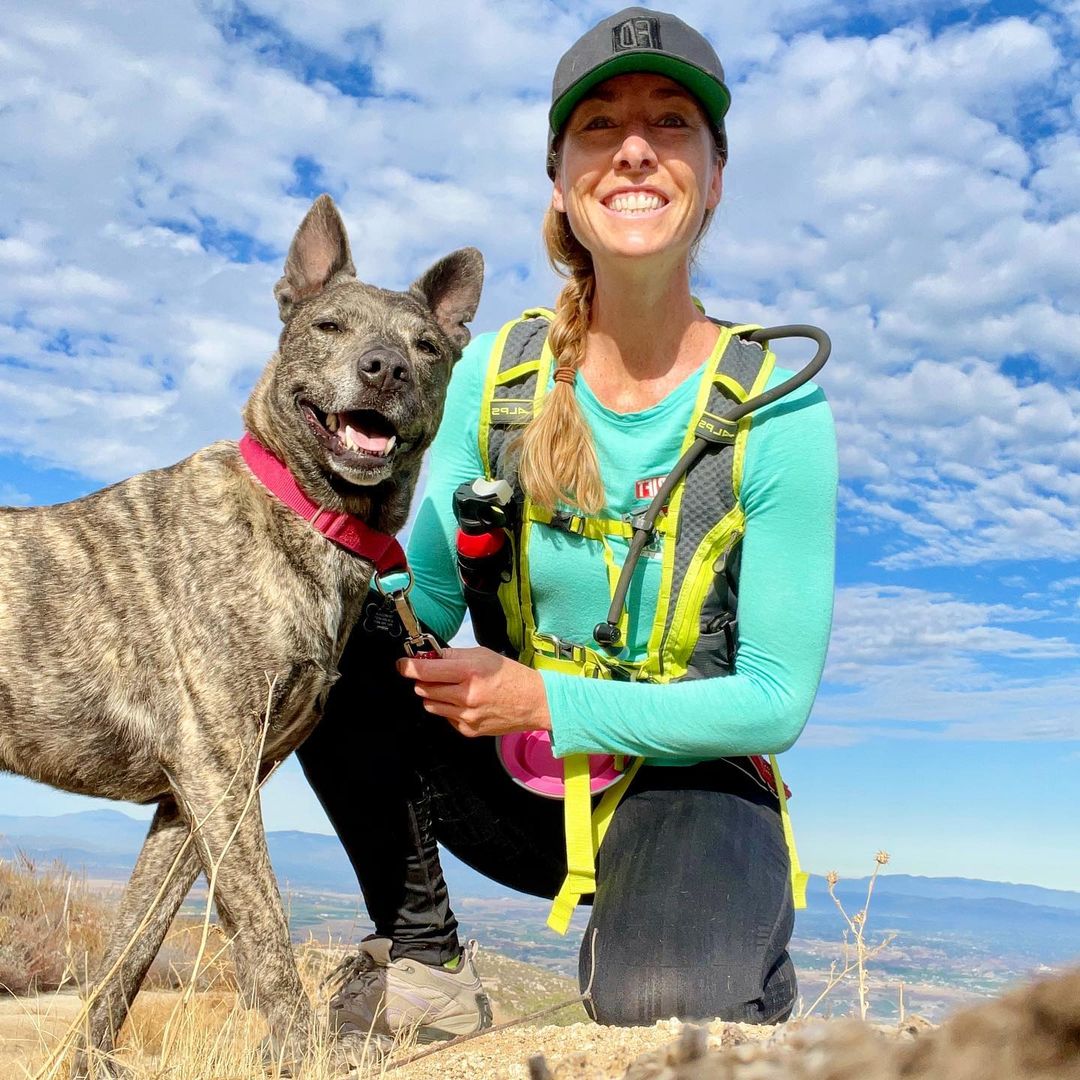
pixel 378 996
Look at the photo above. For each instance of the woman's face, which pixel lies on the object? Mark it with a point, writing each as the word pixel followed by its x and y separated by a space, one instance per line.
pixel 637 169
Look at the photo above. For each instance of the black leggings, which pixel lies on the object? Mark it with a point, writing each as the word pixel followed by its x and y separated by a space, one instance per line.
pixel 693 907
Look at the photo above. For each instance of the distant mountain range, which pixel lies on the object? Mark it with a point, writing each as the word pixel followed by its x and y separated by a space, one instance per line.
pixel 1037 924
pixel 104 844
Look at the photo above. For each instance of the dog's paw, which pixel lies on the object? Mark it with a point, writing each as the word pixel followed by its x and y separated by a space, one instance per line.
pixel 354 1055
pixel 284 1058
pixel 97 1065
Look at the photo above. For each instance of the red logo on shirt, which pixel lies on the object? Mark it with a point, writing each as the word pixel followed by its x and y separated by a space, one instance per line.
pixel 648 489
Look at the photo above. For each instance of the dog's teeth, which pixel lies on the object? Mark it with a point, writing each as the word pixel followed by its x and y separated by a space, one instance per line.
pixel 390 444
pixel 332 421
pixel 350 442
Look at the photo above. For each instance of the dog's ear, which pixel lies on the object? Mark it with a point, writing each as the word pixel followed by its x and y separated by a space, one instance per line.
pixel 451 288
pixel 318 254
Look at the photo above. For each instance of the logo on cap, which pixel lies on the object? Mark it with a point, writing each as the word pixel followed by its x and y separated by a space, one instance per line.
pixel 638 33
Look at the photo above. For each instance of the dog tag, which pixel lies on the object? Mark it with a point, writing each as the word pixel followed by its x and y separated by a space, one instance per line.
pixel 382 618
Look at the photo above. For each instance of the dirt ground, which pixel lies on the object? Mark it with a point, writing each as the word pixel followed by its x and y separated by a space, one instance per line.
pixel 584 1051
pixel 30 1028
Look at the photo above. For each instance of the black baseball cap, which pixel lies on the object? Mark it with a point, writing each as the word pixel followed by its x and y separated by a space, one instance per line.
pixel 639 39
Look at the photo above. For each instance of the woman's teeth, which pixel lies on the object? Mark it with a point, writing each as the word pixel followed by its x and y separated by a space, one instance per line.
pixel 636 203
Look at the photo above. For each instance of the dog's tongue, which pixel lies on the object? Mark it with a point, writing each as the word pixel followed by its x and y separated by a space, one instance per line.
pixel 377 444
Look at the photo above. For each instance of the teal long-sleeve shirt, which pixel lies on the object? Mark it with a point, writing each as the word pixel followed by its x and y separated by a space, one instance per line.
pixel 785 585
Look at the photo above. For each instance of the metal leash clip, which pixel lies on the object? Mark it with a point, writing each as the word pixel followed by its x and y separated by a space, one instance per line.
pixel 417 642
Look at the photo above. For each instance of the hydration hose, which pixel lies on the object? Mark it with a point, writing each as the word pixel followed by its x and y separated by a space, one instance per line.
pixel 607 634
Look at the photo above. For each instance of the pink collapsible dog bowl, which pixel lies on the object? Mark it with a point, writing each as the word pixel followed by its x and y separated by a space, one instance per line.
pixel 527 757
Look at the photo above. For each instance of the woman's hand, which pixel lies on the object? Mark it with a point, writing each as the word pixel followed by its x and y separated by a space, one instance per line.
pixel 480 692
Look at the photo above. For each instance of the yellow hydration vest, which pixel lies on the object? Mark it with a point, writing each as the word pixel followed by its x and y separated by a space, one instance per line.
pixel 694 631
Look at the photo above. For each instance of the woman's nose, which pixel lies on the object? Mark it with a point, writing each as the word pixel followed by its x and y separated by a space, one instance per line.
pixel 635 153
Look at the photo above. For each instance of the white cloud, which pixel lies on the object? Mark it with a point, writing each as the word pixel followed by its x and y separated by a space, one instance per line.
pixel 912 663
pixel 913 192
pixel 12 496
pixel 885 623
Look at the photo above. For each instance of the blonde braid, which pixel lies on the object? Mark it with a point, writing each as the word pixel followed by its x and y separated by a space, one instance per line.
pixel 558 459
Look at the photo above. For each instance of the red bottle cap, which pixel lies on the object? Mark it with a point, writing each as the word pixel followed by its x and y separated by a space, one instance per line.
pixel 482 545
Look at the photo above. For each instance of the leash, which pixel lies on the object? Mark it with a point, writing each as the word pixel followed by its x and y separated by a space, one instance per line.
pixel 395 587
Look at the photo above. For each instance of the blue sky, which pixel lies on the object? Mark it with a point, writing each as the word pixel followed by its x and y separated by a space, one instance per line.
pixel 903 173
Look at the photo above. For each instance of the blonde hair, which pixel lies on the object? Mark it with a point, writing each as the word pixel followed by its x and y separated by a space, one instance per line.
pixel 558 459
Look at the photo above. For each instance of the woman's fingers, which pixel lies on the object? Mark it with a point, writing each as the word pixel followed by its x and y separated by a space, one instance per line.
pixel 497 694
pixel 444 671
pixel 452 713
pixel 455 665
pixel 444 693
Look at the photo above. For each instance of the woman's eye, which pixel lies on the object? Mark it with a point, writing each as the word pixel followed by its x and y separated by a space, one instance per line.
pixel 328 326
pixel 597 123
pixel 672 120
pixel 427 346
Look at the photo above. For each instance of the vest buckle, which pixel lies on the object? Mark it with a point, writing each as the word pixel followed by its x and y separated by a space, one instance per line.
pixel 564 521
pixel 559 649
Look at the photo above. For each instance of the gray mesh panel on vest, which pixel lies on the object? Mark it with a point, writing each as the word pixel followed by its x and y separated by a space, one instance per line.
pixel 709 493
pixel 524 342
pixel 742 361
pixel 711 656
pixel 708 498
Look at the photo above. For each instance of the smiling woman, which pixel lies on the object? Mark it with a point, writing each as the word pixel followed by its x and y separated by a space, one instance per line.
pixel 559 435
pixel 670 176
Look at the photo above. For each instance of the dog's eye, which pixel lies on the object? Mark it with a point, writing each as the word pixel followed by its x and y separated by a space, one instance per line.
pixel 428 346
pixel 328 326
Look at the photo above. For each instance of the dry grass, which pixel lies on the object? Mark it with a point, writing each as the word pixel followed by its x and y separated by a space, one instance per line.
pixel 179 1035
pixel 53 930
pixel 51 927
pixel 175 968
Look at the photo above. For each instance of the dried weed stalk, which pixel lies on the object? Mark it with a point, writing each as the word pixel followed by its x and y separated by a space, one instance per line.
pixel 857 950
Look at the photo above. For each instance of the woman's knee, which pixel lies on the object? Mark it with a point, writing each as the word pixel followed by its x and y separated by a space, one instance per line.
pixel 687 924
pixel 629 992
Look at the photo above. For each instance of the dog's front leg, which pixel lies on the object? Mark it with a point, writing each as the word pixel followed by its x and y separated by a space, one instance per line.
pixel 138 932
pixel 232 848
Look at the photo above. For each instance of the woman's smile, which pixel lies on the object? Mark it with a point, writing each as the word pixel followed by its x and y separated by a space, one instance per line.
pixel 635 202
pixel 638 168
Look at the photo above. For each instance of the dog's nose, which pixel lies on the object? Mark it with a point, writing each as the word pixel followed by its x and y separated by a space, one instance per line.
pixel 384 368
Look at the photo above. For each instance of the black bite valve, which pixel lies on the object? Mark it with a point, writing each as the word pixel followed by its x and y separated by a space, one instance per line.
pixel 606 634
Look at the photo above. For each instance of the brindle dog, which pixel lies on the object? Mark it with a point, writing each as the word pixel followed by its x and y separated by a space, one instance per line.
pixel 149 631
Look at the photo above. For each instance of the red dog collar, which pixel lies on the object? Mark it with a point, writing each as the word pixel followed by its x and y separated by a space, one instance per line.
pixel 345 530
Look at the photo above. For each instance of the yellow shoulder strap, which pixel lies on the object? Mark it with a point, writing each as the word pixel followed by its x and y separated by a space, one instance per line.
pixel 585 830
pixel 799 877
pixel 490 378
